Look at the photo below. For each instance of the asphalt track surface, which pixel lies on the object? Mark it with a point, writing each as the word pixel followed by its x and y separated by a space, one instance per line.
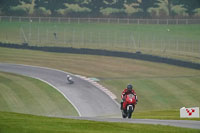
pixel 90 102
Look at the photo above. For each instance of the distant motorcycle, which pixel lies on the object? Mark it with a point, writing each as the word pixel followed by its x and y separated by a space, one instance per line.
pixel 69 79
pixel 129 105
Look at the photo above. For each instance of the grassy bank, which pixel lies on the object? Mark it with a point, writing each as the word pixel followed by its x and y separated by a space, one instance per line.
pixel 158 86
pixel 12 29
pixel 31 96
pixel 177 41
pixel 21 123
pixel 161 93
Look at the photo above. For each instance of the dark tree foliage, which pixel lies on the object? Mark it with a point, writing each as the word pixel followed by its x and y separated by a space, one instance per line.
pixel 146 4
pixel 190 5
pixel 169 6
pixel 96 5
pixel 5 5
pixel 119 4
pixel 52 5
pixel 131 1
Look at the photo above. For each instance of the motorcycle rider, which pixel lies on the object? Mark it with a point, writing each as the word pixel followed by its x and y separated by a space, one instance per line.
pixel 69 79
pixel 127 91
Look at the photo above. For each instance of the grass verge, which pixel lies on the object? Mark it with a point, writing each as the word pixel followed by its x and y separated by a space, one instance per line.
pixel 21 123
pixel 31 96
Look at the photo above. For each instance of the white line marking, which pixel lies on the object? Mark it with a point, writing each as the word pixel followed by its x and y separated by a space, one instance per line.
pixel 111 95
pixel 50 83
pixel 61 93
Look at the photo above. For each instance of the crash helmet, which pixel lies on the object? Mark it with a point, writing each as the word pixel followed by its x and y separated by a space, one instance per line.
pixel 129 87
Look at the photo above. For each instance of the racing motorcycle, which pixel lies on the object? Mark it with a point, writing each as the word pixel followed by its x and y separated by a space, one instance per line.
pixel 69 79
pixel 129 105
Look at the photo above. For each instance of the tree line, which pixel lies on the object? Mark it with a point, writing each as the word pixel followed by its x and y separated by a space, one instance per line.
pixel 102 8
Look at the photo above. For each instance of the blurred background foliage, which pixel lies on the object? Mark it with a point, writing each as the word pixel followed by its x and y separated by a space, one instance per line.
pixel 102 8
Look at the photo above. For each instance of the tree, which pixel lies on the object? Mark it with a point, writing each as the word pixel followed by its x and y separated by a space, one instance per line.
pixel 96 5
pixel 117 7
pixel 52 5
pixel 146 4
pixel 169 5
pixel 93 5
pixel 190 5
pixel 6 5
pixel 118 4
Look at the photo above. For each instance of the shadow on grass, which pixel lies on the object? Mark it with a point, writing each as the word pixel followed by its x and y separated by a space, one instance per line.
pixel 136 55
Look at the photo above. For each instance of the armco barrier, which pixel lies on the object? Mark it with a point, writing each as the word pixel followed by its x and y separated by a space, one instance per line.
pixel 87 51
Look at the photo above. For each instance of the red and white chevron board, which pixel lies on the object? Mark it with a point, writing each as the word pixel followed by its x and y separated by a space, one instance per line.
pixel 189 112
pixel 108 92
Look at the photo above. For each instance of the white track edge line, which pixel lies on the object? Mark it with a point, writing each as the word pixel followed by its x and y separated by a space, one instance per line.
pixel 62 72
pixel 61 93
pixel 49 83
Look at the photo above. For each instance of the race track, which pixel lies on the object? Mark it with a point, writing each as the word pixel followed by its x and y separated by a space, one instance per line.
pixel 90 102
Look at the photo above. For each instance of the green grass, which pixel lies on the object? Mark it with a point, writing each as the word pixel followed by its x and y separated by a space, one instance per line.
pixel 31 96
pixel 160 87
pixel 161 93
pixel 161 114
pixel 21 123
pixel 182 41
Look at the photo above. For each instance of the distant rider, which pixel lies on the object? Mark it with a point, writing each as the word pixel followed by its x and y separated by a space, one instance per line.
pixel 127 91
pixel 69 79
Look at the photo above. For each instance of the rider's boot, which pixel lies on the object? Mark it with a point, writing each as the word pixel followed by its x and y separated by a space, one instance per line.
pixel 121 106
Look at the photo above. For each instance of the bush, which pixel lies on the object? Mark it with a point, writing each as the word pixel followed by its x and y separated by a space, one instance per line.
pixel 42 12
pixel 18 11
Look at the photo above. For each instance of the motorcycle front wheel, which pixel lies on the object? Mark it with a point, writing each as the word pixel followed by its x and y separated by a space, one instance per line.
pixel 124 115
pixel 129 112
